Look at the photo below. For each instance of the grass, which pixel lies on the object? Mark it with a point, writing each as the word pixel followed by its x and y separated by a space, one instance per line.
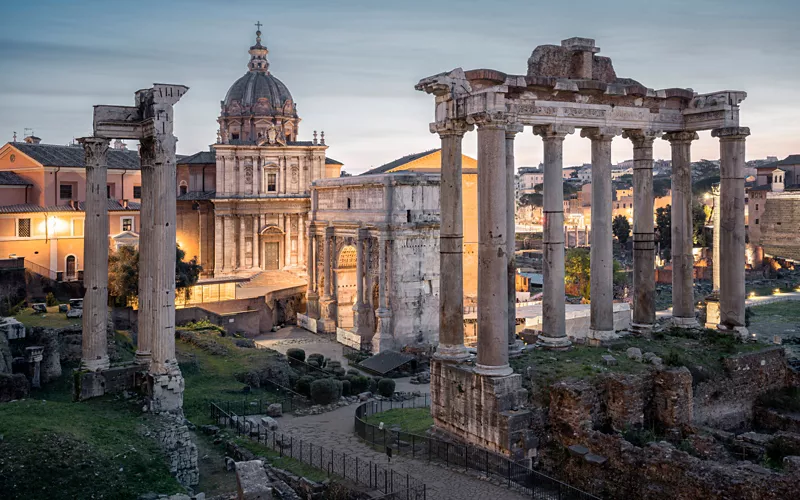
pixel 412 420
pixel 701 354
pixel 53 318
pixel 58 449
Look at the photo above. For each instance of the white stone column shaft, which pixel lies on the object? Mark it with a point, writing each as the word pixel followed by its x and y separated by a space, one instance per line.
pixel 219 245
pixel 514 348
pixel 492 250
pixel 288 243
pixel 94 352
pixel 554 330
pixel 301 233
pixel 145 325
pixel 732 234
pixel 451 235
pixel 682 229
pixel 254 244
pixel 601 250
pixel 644 280
pixel 716 220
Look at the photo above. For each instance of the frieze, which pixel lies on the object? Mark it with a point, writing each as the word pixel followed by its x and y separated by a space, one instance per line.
pixel 704 117
pixel 584 113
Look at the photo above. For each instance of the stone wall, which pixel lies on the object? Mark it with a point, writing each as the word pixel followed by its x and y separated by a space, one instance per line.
pixel 173 435
pixel 728 403
pixel 781 215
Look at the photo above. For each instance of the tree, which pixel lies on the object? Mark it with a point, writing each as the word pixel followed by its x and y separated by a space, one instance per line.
pixel 700 215
pixel 577 271
pixel 534 199
pixel 621 228
pixel 664 230
pixel 123 272
pixel 661 186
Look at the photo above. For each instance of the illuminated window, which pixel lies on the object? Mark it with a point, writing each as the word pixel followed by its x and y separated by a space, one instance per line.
pixel 272 182
pixel 24 228
pixel 127 223
pixel 65 191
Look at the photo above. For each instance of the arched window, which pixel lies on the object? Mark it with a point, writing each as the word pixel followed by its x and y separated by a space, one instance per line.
pixel 183 188
pixel 70 268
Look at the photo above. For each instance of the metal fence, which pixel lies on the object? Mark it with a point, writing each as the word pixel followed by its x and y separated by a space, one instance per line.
pixel 457 455
pixel 393 485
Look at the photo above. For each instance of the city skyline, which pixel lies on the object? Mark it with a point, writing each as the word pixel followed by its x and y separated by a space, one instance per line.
pixel 352 70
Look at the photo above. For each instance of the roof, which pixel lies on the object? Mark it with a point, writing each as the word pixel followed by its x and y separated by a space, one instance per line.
pixel 255 85
pixel 399 162
pixel 51 155
pixel 197 196
pixel 8 178
pixel 530 170
pixel 789 160
pixel 113 206
pixel 201 158
pixel 385 361
pixel 331 161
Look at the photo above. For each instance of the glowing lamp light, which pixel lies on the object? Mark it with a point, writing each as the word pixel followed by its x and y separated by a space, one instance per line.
pixel 777 291
pixel 751 295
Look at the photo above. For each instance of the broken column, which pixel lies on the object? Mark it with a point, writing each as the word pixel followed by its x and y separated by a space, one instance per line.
pixel 601 251
pixel 644 281
pixel 451 235
pixel 732 234
pixel 312 297
pixel 554 332
pixel 514 347
pixel 492 250
pixel 682 229
pixel 34 356
pixel 94 354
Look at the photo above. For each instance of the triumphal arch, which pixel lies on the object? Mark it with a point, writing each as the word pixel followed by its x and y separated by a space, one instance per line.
pixel 566 87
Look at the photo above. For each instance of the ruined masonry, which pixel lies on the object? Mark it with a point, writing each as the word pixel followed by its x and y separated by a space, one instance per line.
pixel 567 86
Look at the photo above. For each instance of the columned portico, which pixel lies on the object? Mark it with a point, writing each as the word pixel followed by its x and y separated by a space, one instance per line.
pixel 514 347
pixel 601 251
pixel 492 249
pixel 732 234
pixel 554 335
pixel 644 301
pixel 94 355
pixel 682 229
pixel 451 235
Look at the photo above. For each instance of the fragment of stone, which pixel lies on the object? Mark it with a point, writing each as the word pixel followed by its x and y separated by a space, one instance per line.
pixel 578 450
pixel 364 396
pixel 648 356
pixel 594 459
pixel 656 361
pixel 252 481
pixel 634 353
pixel 62 308
pixel 269 423
pixel 39 307
pixel 275 410
pixel 791 465
pixel 609 360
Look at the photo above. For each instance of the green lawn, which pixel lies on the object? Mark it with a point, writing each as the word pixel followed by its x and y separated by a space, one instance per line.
pixel 53 318
pixel 412 420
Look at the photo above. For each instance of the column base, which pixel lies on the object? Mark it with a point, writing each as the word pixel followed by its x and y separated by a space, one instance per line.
pixel 740 331
pixel 95 365
pixel 602 334
pixel 712 311
pixel 493 371
pixel 383 339
pixel 685 322
pixel 165 391
pixel 554 343
pixel 143 358
pixel 643 329
pixel 516 349
pixel 451 353
pixel 326 326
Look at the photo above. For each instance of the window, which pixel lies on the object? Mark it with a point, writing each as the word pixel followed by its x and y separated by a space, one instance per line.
pixel 183 189
pixel 756 206
pixel 137 192
pixel 108 191
pixel 756 221
pixel 65 191
pixel 24 228
pixel 348 202
pixel 127 223
pixel 272 182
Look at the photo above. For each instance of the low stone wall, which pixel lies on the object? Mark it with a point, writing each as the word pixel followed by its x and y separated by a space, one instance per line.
pixel 174 437
pixel 111 381
pixel 728 403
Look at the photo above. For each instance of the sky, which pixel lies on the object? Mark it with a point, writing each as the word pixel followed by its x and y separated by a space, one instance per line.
pixel 351 65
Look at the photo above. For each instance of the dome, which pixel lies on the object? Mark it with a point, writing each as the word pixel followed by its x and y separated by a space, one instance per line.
pixel 255 85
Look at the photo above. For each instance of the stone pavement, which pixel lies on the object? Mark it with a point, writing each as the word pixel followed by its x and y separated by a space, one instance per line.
pixel 334 430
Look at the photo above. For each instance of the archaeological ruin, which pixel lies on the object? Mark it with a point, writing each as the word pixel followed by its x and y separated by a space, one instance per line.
pixel 566 87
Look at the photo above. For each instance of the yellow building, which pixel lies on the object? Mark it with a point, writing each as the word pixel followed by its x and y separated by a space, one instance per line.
pixel 431 162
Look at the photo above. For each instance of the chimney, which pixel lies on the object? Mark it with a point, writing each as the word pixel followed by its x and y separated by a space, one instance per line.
pixel 118 144
pixel 32 139
pixel 125 204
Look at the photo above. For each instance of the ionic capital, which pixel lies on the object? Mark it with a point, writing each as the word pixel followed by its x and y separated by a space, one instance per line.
pixel 451 128
pixel 680 137
pixel 641 138
pixel 602 134
pixel 731 133
pixel 553 132
pixel 512 129
pixel 95 151
pixel 489 120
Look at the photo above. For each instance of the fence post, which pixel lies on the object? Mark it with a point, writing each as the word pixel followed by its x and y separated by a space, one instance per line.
pixel 486 456
pixel 291 446
pixel 447 453
pixel 280 448
pixel 301 452
pixel 356 469
pixel 344 465
pixel 413 447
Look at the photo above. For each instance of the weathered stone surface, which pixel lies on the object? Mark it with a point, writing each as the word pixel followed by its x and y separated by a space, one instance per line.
pixel 609 360
pixel 275 410
pixel 672 398
pixel 252 482
pixel 174 437
pixel 578 450
pixel 634 353
pixel 39 307
pixel 269 423
pixel 791 464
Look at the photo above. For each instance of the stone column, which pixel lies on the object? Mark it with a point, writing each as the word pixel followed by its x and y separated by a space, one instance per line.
pixel 682 229
pixel 284 174
pixel 451 235
pixel 644 279
pixel 301 232
pixel 145 327
pixel 326 271
pixel 312 297
pixel 94 354
pixel 288 239
pixel 601 251
pixel 229 243
pixel 716 219
pixel 357 305
pixel 219 245
pixel 732 234
pixel 242 243
pixel 256 175
pixel 383 339
pixel 492 249
pixel 328 303
pixel 514 347
pixel 254 244
pixel 261 180
pixel 554 329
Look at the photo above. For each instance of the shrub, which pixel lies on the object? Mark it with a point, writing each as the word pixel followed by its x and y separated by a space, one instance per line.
pixel 386 387
pixel 316 359
pixel 303 385
pixel 338 371
pixel 346 388
pixel 334 364
pixel 295 353
pixel 51 300
pixel 372 384
pixel 358 383
pixel 325 391
pixel 353 372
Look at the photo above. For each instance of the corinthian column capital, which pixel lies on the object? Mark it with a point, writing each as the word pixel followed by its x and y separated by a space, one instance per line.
pixel 682 136
pixel 512 129
pixel 451 127
pixel 602 134
pixel 641 138
pixel 489 119
pixel 553 132
pixel 95 150
pixel 730 133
